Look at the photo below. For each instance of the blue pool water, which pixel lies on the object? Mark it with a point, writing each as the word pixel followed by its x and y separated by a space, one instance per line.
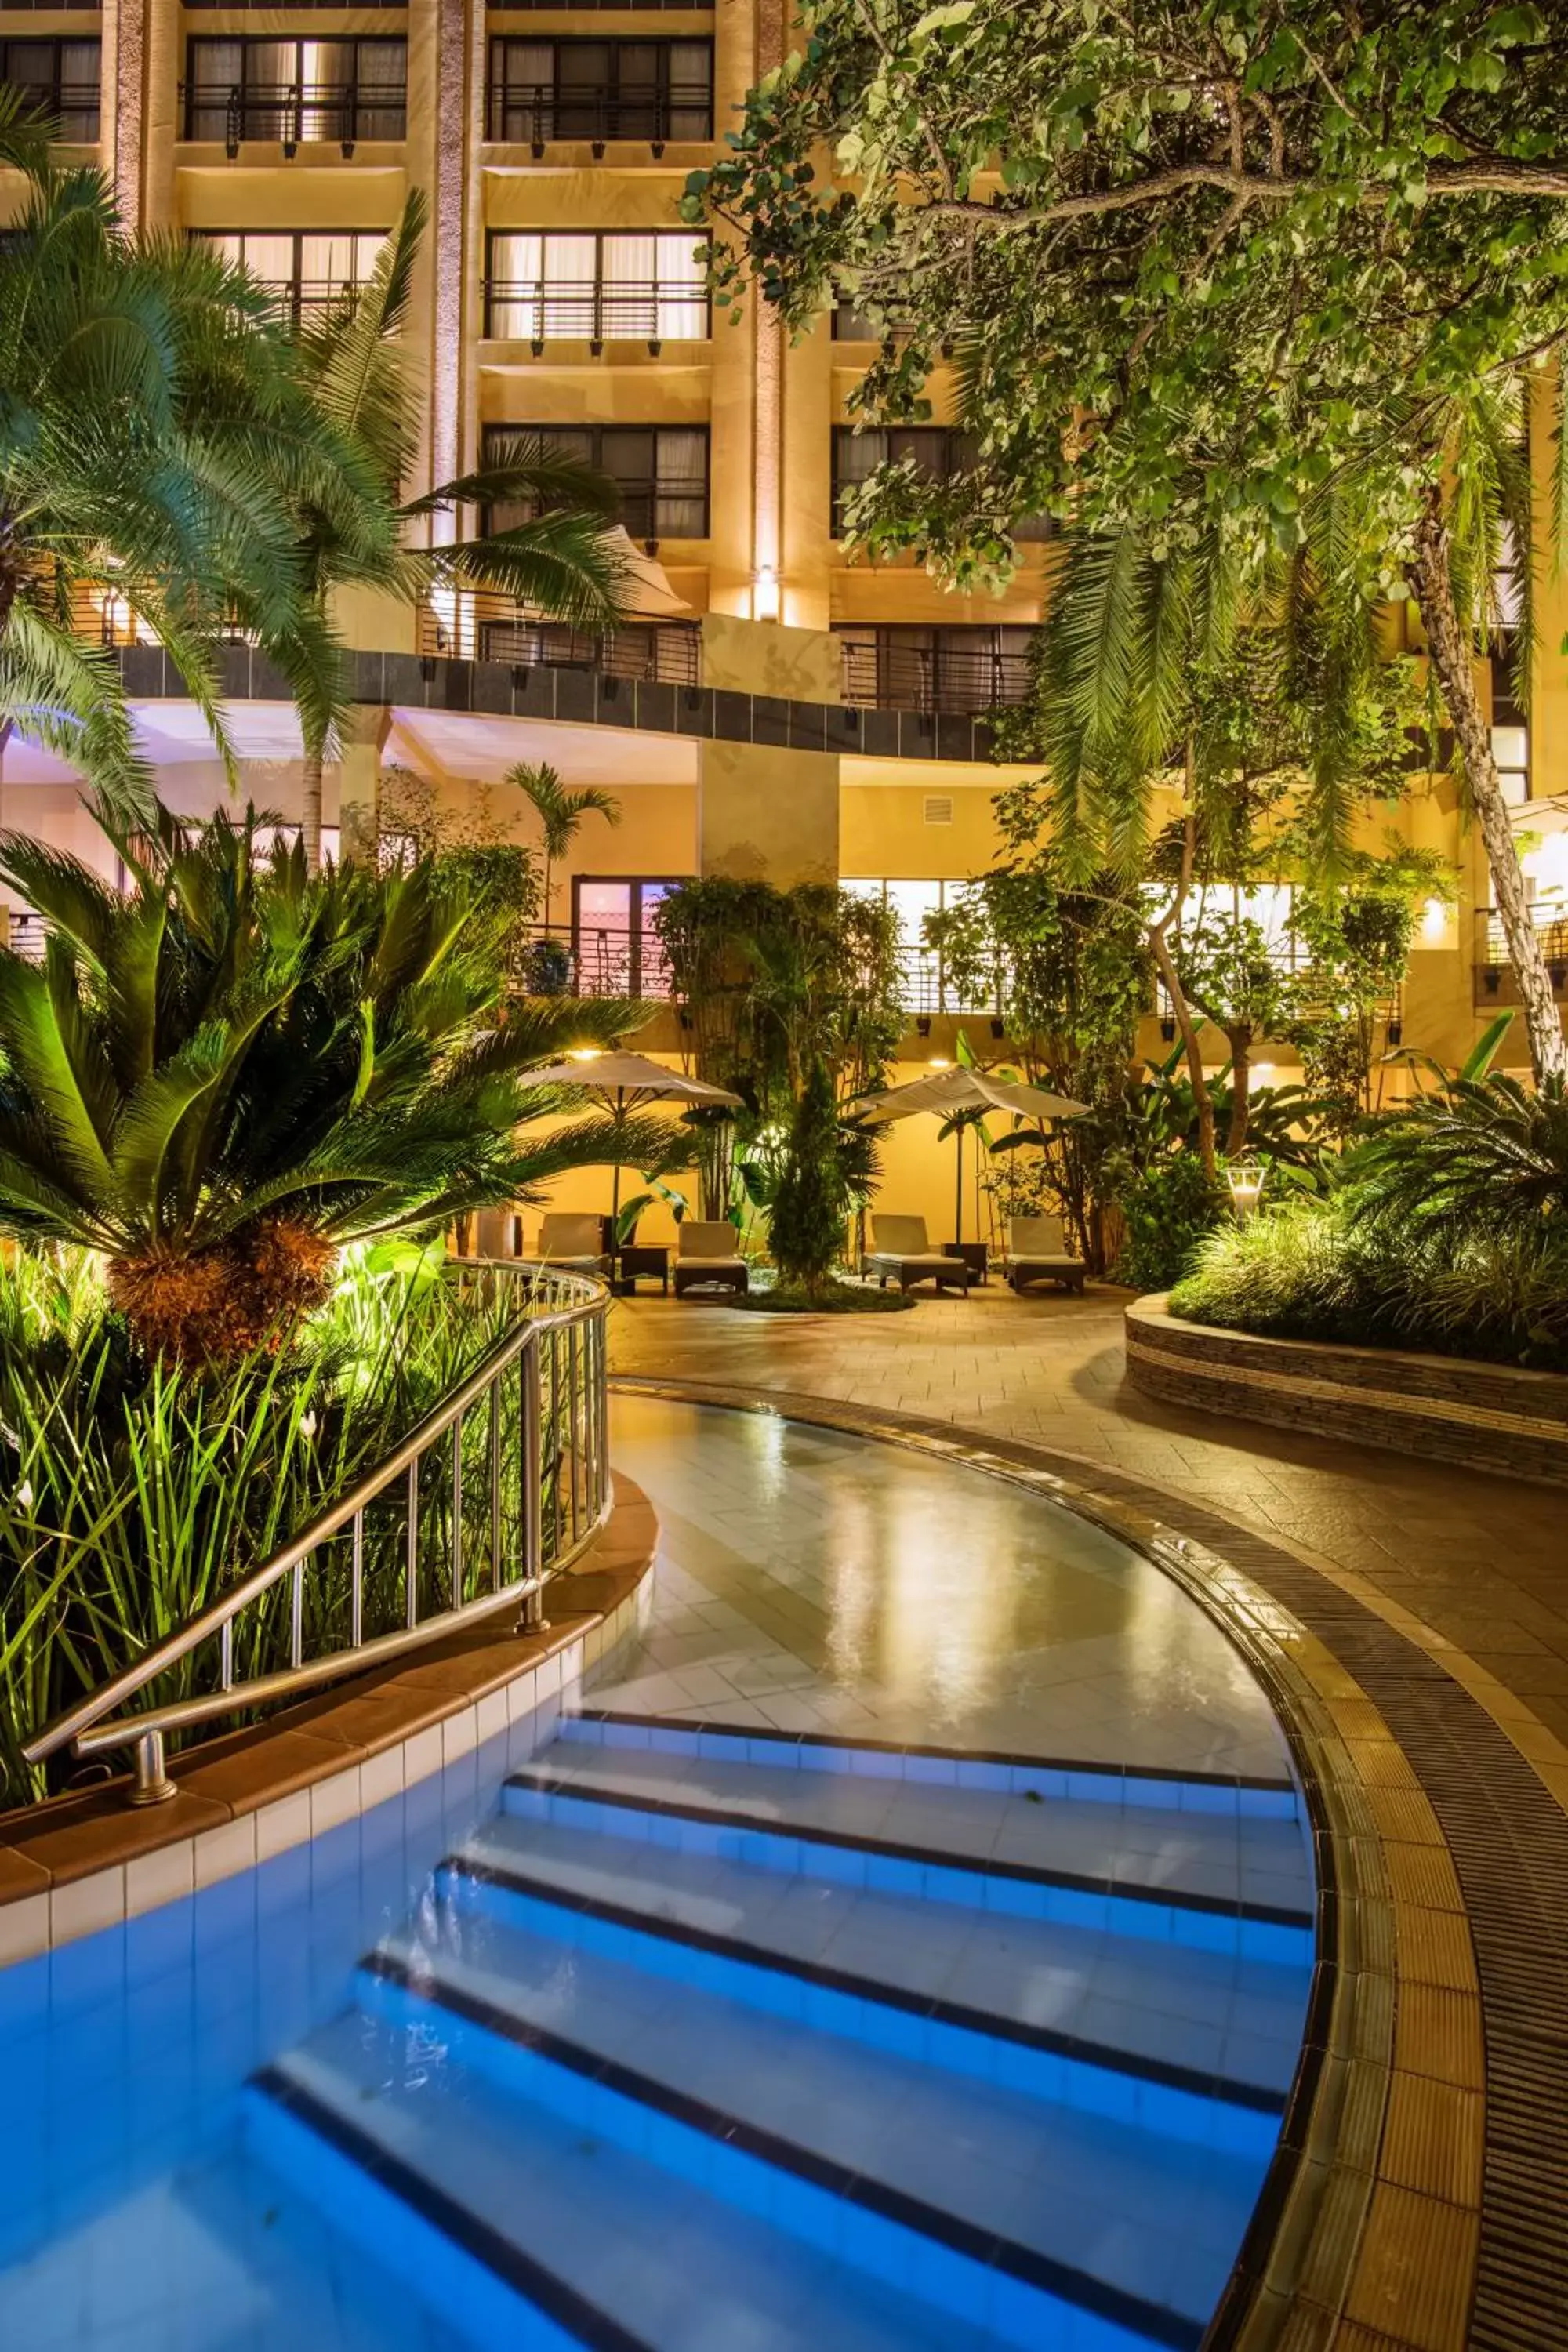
pixel 692 2040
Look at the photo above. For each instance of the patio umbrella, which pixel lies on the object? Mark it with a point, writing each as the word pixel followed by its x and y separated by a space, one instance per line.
pixel 952 1094
pixel 629 1082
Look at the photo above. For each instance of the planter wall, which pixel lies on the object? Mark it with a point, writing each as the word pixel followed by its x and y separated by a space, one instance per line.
pixel 1485 1416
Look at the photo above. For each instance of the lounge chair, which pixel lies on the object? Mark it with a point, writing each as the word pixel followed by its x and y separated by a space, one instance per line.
pixel 568 1238
pixel 1037 1251
pixel 705 1257
pixel 497 1233
pixel 900 1253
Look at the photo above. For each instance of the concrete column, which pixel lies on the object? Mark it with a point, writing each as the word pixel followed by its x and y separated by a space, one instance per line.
pixel 358 781
pixel 447 208
pixel 123 100
pixel 767 815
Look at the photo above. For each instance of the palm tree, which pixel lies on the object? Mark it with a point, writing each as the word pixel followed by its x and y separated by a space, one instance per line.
pixel 218 1078
pixel 559 811
pixel 563 563
pixel 152 420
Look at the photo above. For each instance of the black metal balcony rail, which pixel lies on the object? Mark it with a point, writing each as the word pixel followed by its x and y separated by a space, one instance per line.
pixel 654 311
pixel 103 616
pixel 1493 970
pixel 535 114
pixel 595 960
pixel 303 300
pixel 294 114
pixel 882 676
pixel 652 507
pixel 71 103
pixel 472 624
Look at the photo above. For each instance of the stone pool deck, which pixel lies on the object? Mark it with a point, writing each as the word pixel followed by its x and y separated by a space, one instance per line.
pixel 1442 1592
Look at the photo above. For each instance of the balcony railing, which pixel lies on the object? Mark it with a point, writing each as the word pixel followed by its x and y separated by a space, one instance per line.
pixel 473 625
pixel 593 961
pixel 1494 974
pixel 73 106
pixel 301 300
pixel 910 678
pixel 534 114
pixel 609 309
pixel 294 114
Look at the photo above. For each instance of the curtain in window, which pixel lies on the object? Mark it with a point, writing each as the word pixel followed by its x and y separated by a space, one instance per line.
pixel 690 89
pixel 523 90
pixel 681 503
pixel 681 309
pixel 380 70
pixel 214 69
pixel 516 270
pixel 569 269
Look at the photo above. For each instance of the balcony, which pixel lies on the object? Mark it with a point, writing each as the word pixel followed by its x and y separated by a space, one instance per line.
pixel 294 114
pixel 882 676
pixel 536 114
pixel 471 624
pixel 1495 986
pixel 654 311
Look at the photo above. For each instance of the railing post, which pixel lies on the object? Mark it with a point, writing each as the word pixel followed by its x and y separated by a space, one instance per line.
pixel 532 1435
pixel 151 1784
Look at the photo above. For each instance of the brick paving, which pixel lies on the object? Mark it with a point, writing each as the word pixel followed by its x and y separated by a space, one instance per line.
pixel 1471 1563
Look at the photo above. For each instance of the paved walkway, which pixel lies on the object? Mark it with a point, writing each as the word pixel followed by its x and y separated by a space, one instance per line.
pixel 1475 1567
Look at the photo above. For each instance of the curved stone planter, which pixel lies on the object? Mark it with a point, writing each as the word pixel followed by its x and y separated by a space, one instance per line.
pixel 82 1863
pixel 1484 1416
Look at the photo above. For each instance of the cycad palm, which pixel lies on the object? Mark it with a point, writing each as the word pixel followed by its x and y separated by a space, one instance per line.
pixel 563 563
pixel 560 809
pixel 219 1076
pixel 150 425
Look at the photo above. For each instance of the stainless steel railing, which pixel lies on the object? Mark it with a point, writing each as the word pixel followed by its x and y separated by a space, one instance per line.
pixel 518 1453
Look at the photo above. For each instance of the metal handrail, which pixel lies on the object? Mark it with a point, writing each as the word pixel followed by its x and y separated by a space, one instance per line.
pixel 537 113
pixel 573 1325
pixel 479 624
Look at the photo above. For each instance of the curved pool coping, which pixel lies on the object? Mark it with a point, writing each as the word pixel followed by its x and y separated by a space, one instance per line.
pixel 85 1861
pixel 1368 2230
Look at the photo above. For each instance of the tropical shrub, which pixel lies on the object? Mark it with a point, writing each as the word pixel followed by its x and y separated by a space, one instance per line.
pixel 1486 1156
pixel 1315 1270
pixel 812 1202
pixel 134 1491
pixel 219 1077
pixel 1167 1208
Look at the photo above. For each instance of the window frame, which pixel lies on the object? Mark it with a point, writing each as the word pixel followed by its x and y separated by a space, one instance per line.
pixel 597 435
pixel 634 885
pixel 684 294
pixel 292 102
pixel 49 91
pixel 550 101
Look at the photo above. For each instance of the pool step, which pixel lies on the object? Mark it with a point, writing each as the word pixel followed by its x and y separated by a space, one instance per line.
pixel 1004 2180
pixel 1020 2000
pixel 690 2053
pixel 1224 1883
pixel 517 2232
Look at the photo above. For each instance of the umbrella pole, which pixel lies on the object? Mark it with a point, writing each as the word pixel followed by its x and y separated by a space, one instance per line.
pixel 958 1189
pixel 616 1177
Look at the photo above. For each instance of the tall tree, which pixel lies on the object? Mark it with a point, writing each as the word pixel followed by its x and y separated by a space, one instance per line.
pixel 1227 284
pixel 561 562
pixel 151 424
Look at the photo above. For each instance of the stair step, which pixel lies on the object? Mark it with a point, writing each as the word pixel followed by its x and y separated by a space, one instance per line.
pixel 1224 1883
pixel 1050 2010
pixel 1003 2184
pixel 989 1771
pixel 549 2240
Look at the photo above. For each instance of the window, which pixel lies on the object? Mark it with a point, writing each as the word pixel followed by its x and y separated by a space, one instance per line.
pixel 295 92
pixel 595 285
pixel 936 449
pixel 662 471
pixel 1511 736
pixel 617 951
pixel 61 79
pixel 957 669
pixel 307 269
pixel 600 90
pixel 924 987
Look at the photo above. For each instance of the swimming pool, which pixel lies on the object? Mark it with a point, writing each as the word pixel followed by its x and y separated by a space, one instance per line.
pixel 909 1947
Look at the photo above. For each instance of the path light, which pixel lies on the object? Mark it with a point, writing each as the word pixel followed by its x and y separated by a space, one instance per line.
pixel 1245 1178
pixel 583 1052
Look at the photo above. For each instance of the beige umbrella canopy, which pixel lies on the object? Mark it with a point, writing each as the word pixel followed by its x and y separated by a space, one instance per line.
pixel 628 1082
pixel 645 588
pixel 951 1094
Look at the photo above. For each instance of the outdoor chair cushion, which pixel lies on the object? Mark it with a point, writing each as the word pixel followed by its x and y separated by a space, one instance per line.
pixel 568 1238
pixel 1037 1251
pixel 901 1237
pixel 710 1238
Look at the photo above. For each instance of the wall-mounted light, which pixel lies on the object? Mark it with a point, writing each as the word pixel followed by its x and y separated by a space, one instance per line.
pixel 998 1026
pixel 765 592
pixel 939 1062
pixel 1168 1029
pixel 922 1025
pixel 1433 921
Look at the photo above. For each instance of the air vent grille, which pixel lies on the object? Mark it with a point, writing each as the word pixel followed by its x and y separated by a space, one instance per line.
pixel 939 808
